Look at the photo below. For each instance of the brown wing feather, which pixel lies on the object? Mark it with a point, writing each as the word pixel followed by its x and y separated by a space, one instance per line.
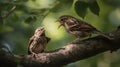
pixel 83 27
pixel 30 41
pixel 87 27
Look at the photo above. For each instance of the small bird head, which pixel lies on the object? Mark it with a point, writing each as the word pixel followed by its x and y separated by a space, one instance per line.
pixel 40 31
pixel 63 19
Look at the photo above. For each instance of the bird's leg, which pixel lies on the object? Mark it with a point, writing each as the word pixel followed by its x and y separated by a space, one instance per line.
pixel 75 41
pixel 33 55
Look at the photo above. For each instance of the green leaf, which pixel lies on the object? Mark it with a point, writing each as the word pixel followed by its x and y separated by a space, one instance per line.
pixel 62 5
pixel 94 7
pixel 31 19
pixel 81 8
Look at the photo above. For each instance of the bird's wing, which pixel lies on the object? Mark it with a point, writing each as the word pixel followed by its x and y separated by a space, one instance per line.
pixel 30 44
pixel 86 27
pixel 48 39
pixel 82 27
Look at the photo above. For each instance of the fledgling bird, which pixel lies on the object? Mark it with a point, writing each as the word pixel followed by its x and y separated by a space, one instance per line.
pixel 37 42
pixel 78 28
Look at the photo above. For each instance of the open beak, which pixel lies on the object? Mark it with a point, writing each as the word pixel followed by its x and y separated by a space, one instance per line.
pixel 43 32
pixel 60 26
pixel 43 29
pixel 60 23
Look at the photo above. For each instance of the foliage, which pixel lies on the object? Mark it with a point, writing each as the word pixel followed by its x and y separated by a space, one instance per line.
pixel 81 7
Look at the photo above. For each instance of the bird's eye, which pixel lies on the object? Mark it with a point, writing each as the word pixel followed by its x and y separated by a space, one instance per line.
pixel 62 19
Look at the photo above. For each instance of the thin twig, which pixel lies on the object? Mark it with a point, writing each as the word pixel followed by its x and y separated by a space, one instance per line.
pixel 12 9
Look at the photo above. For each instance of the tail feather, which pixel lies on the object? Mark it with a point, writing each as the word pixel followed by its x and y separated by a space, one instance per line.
pixel 102 34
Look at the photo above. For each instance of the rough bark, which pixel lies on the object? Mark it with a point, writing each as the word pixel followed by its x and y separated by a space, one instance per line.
pixel 77 50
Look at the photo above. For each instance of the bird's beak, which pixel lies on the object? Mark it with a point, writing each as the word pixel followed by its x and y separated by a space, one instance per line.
pixel 60 23
pixel 43 29
pixel 43 32
pixel 60 26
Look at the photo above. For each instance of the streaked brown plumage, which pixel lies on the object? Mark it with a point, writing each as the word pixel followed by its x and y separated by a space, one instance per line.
pixel 38 41
pixel 78 28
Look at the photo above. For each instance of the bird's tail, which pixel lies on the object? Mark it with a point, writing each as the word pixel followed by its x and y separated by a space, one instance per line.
pixel 104 35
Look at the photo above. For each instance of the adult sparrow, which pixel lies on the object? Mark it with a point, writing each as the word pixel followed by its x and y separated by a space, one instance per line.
pixel 78 28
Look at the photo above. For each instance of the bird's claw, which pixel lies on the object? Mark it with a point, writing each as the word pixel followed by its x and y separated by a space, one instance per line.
pixel 34 55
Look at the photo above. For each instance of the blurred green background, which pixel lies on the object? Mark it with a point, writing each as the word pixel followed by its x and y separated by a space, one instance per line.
pixel 19 19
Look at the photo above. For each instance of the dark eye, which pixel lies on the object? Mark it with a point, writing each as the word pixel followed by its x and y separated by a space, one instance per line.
pixel 39 30
pixel 62 19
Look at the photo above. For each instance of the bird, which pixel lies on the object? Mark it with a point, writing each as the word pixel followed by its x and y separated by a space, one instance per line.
pixel 78 28
pixel 37 42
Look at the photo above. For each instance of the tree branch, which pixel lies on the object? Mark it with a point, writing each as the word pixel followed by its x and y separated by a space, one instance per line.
pixel 77 50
